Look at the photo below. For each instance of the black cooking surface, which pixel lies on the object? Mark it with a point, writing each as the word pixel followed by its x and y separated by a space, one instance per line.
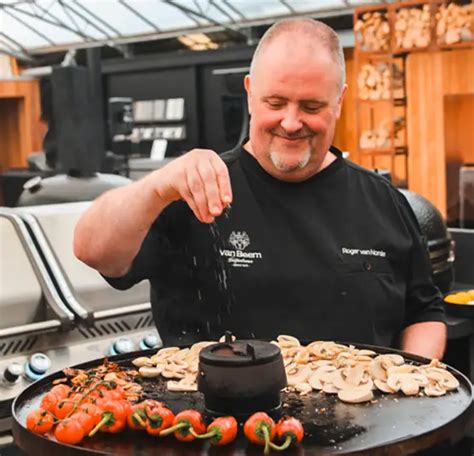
pixel 391 424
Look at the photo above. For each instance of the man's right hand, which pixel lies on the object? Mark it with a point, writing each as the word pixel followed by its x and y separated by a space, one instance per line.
pixel 200 178
pixel 109 235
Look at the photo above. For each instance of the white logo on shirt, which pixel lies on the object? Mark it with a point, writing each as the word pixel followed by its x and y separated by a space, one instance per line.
pixel 236 257
pixel 239 239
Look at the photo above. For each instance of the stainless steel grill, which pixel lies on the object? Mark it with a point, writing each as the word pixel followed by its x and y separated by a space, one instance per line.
pixel 56 311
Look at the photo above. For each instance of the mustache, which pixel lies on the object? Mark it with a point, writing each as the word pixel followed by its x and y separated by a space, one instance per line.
pixel 303 133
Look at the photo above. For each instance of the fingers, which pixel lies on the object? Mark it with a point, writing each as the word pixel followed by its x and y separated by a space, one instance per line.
pixel 203 182
pixel 223 180
pixel 197 195
pixel 211 188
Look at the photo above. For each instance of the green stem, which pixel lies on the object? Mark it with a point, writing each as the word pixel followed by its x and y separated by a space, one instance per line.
pixel 208 435
pixel 136 416
pixel 174 428
pixel 106 417
pixel 284 445
pixel 266 436
pixel 84 395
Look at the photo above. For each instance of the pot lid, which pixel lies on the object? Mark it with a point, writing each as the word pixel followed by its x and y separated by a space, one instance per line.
pixel 239 353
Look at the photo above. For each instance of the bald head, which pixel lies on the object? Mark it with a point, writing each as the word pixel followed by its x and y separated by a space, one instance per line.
pixel 307 33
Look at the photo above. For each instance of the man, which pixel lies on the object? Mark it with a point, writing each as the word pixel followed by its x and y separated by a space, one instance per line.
pixel 312 245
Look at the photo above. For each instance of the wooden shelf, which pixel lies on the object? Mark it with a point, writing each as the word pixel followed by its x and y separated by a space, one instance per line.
pixel 385 151
pixel 394 101
pixel 461 45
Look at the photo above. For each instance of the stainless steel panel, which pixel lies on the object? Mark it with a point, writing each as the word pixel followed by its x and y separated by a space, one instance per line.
pixel 82 284
pixel 20 291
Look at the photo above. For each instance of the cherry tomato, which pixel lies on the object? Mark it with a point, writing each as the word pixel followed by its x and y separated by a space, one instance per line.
pixel 61 390
pixel 49 401
pixel 69 431
pixel 85 420
pixel 40 421
pixel 93 410
pixel 64 407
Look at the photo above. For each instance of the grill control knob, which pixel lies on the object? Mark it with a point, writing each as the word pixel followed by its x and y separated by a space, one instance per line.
pixel 150 341
pixel 13 372
pixel 37 366
pixel 122 345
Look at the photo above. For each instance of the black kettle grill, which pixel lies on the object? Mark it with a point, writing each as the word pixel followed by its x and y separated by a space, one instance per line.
pixel 241 377
pixel 438 238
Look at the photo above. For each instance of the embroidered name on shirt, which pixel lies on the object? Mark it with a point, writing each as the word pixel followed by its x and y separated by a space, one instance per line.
pixel 237 257
pixel 366 252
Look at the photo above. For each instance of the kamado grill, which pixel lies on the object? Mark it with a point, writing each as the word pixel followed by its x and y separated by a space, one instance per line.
pixel 55 311
pixel 390 425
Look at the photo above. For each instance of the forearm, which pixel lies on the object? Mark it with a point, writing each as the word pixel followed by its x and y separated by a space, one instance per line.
pixel 426 339
pixel 110 233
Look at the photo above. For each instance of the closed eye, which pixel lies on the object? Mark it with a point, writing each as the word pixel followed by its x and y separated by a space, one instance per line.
pixel 313 108
pixel 275 104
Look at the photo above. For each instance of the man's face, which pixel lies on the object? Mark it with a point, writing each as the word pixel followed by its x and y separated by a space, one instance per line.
pixel 294 99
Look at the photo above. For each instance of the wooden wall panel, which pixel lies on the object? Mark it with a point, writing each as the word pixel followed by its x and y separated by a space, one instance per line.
pixel 431 77
pixel 459 146
pixel 346 133
pixel 19 115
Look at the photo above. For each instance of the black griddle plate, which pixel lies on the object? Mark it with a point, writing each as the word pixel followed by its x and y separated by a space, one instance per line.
pixel 392 425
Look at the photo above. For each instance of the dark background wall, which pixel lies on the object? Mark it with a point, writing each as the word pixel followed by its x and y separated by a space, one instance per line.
pixel 214 99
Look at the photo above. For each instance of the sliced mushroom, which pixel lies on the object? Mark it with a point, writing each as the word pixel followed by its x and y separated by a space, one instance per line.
pixel 325 373
pixel 180 387
pixel 149 372
pixel 315 382
pixel 142 361
pixel 286 341
pixel 365 352
pixel 302 357
pixel 355 374
pixel 443 377
pixel 403 369
pixel 356 395
pixel 405 382
pixel 303 388
pixel 297 373
pixel 329 388
pixel 382 386
pixel 393 359
pixel 410 387
pixel 433 389
pixel 377 370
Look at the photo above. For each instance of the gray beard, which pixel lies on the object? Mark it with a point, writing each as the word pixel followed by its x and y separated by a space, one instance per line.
pixel 284 168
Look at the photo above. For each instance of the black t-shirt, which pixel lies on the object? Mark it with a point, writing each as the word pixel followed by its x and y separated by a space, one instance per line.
pixel 338 257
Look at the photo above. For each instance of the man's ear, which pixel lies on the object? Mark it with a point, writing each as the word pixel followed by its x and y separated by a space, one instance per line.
pixel 339 102
pixel 249 92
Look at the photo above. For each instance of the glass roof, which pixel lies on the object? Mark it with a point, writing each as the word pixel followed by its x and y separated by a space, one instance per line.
pixel 36 26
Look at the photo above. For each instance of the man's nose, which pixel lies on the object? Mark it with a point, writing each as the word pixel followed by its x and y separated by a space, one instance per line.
pixel 291 121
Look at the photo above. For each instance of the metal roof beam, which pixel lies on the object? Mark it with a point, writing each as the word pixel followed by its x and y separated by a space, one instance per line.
pixel 204 16
pixel 189 16
pixel 222 10
pixel 288 6
pixel 59 23
pixel 143 18
pixel 71 18
pixel 6 49
pixel 29 27
pixel 39 18
pixel 152 36
pixel 85 19
pixel 97 18
pixel 234 9
pixel 16 43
